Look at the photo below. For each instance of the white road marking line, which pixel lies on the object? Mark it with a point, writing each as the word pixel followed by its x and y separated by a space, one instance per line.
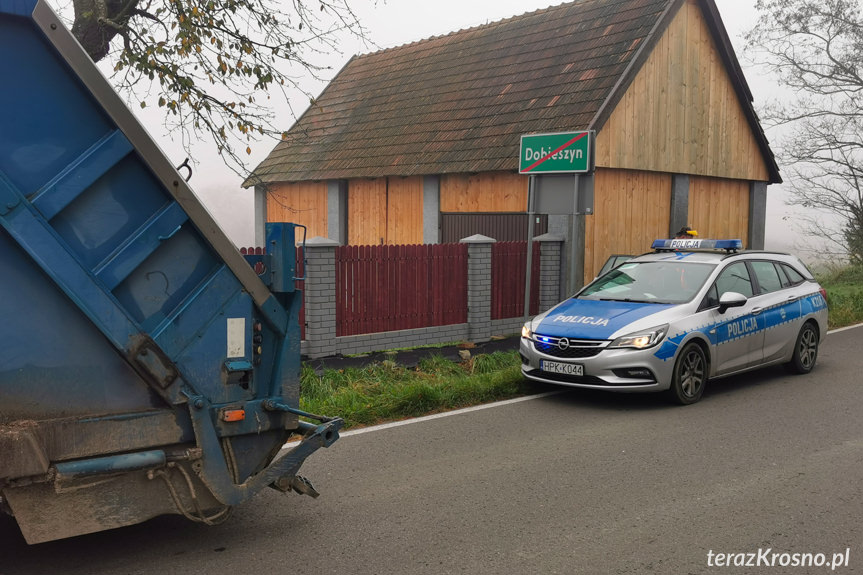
pixel 837 330
pixel 381 427
pixel 447 413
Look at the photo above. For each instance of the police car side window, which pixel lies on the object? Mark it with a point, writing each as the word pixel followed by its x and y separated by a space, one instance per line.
pixel 783 277
pixel 710 300
pixel 734 278
pixel 768 277
pixel 794 276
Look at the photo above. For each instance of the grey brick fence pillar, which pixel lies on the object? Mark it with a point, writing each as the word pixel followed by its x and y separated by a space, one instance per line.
pixel 478 287
pixel 320 296
pixel 550 253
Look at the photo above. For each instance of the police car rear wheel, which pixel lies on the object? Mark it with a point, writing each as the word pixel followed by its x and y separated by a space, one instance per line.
pixel 689 376
pixel 805 350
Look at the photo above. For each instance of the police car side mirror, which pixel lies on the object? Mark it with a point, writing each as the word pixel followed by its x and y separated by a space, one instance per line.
pixel 731 299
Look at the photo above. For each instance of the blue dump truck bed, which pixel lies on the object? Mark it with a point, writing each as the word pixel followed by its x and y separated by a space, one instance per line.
pixel 145 367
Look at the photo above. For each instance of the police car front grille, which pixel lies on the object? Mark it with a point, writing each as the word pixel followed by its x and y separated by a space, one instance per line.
pixel 572 349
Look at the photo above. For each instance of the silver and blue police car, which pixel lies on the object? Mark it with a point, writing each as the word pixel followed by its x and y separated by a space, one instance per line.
pixel 670 320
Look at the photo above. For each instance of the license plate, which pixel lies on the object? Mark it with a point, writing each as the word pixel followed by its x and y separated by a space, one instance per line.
pixel 562 368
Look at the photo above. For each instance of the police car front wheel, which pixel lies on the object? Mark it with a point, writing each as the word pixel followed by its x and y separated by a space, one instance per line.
pixel 689 375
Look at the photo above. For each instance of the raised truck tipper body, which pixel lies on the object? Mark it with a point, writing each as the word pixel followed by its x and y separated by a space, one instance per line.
pixel 146 367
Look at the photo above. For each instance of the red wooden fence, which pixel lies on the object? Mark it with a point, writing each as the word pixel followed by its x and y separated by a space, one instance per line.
pixel 386 288
pixel 508 266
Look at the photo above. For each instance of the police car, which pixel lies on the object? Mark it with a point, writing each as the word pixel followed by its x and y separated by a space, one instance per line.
pixel 692 310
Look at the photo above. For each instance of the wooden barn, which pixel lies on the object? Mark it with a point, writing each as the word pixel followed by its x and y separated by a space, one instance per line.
pixel 420 143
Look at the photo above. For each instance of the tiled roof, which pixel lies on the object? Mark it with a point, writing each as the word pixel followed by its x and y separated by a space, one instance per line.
pixel 459 103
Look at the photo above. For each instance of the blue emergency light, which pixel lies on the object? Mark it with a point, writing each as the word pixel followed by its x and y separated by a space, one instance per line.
pixel 696 244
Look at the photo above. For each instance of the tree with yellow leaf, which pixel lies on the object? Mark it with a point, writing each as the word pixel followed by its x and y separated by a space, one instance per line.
pixel 213 64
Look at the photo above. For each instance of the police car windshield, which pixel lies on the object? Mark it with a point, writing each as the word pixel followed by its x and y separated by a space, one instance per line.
pixel 650 282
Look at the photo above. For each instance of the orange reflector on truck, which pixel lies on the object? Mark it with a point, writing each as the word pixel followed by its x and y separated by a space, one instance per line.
pixel 234 415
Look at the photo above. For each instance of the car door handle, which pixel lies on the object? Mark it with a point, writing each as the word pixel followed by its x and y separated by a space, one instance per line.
pixel 756 310
pixel 792 298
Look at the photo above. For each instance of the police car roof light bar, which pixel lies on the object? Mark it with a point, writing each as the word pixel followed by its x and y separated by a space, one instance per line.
pixel 729 246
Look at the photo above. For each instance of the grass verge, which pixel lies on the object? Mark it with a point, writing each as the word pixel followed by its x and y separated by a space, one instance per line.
pixel 389 392
pixel 844 295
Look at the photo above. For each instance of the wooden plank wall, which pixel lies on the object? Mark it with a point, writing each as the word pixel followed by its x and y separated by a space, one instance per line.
pixel 405 211
pixel 386 211
pixel 485 192
pixel 719 208
pixel 681 113
pixel 631 209
pixel 367 212
pixel 302 203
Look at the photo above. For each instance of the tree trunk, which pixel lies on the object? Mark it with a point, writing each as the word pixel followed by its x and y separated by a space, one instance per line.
pixel 90 27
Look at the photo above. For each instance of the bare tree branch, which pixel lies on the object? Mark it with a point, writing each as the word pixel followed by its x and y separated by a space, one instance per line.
pixel 816 48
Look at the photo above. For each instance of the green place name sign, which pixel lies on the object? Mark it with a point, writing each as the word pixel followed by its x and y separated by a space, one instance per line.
pixel 561 153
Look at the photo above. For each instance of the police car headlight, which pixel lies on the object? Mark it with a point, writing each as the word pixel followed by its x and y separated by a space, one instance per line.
pixel 525 331
pixel 641 339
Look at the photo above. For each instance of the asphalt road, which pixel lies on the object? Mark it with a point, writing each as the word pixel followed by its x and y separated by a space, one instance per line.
pixel 567 483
